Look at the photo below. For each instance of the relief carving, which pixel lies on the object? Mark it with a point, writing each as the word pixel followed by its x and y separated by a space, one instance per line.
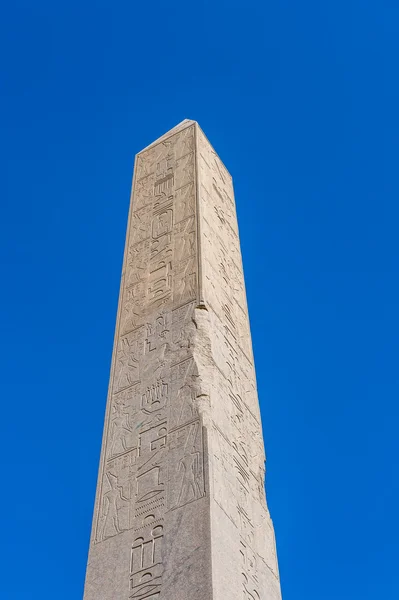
pixel 184 409
pixel 149 484
pixel 185 240
pixel 115 511
pixel 113 503
pixel 160 284
pixel 162 222
pixel 121 429
pixel 130 316
pixel 141 225
pixel 184 173
pixel 143 193
pixel 185 202
pixel 186 281
pixel 127 370
pixel 157 333
pixel 249 572
pixel 154 459
pixel 146 566
pixel 186 469
pixel 137 262
pixel 155 397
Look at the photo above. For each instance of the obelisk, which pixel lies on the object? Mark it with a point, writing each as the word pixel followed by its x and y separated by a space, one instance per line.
pixel 180 510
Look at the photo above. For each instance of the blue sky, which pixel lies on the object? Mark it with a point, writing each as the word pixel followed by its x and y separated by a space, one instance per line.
pixel 300 99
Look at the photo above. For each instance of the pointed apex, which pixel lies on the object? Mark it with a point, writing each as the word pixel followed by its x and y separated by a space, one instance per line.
pixel 182 125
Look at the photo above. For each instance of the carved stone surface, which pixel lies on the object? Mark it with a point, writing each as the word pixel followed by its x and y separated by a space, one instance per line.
pixel 180 507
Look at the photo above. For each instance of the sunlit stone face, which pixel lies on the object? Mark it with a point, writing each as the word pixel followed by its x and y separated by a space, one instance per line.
pixel 180 506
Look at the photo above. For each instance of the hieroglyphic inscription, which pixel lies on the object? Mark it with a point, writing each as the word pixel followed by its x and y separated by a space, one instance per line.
pixel 153 454
pixel 161 261
pixel 182 410
pixel 225 290
pixel 146 563
pixel 237 445
pixel 186 474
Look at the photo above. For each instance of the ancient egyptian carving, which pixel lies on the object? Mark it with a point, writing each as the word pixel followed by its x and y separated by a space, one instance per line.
pixel 183 454
pixel 185 473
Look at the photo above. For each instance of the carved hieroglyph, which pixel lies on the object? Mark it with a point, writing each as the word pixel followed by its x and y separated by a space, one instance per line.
pixel 180 509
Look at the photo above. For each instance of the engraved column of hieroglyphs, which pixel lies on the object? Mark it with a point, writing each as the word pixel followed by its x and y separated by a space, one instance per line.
pixel 237 440
pixel 152 359
pixel 222 249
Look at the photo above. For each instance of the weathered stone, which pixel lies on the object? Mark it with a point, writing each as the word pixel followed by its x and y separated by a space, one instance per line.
pixel 180 508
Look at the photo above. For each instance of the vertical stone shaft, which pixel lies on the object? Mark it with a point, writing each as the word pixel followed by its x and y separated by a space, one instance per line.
pixel 180 509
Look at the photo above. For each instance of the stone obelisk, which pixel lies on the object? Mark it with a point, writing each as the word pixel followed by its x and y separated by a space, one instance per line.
pixel 180 510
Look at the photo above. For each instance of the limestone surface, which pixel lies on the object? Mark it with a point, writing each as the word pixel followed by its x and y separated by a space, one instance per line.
pixel 180 511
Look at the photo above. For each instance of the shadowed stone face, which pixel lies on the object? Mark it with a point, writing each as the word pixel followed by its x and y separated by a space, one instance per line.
pixel 180 509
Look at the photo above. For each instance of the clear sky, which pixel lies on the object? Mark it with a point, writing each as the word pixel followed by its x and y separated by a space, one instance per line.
pixel 300 99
